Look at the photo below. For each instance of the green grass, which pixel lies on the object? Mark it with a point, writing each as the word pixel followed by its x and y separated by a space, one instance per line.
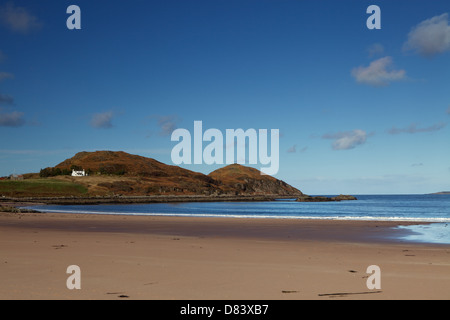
pixel 41 188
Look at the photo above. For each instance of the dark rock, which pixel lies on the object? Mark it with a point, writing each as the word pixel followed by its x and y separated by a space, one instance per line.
pixel 344 197
pixel 306 198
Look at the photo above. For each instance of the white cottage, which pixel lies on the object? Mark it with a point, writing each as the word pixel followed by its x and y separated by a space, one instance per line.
pixel 76 173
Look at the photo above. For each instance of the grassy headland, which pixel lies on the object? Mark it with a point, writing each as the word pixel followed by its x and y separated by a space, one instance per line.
pixel 41 188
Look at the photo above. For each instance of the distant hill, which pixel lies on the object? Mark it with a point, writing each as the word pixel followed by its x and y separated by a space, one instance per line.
pixel 442 192
pixel 121 173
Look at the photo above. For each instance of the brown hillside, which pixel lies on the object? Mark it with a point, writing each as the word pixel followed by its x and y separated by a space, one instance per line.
pixel 250 180
pixel 120 173
pixel 119 162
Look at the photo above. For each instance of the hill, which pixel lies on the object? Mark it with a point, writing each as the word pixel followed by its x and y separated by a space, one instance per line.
pixel 121 163
pixel 121 173
pixel 249 180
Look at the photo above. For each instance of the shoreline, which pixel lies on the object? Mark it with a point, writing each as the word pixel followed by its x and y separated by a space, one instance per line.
pixel 121 199
pixel 21 205
pixel 292 229
pixel 406 229
pixel 144 199
pixel 400 221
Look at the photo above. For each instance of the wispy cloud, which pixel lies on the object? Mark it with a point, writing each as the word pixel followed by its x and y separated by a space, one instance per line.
pixel 12 119
pixel 18 19
pixel 292 149
pixel 102 120
pixel 6 99
pixel 413 128
pixel 417 164
pixel 347 140
pixel 430 37
pixel 6 75
pixel 375 49
pixel 448 110
pixel 167 124
pixel 378 73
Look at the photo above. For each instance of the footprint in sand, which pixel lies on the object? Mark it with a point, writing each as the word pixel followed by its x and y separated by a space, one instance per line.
pixel 59 246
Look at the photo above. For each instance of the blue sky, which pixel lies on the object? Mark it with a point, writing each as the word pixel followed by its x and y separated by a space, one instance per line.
pixel 359 111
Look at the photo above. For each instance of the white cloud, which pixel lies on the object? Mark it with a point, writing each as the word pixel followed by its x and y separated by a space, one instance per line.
pixel 413 128
pixel 378 73
pixel 18 19
pixel 102 120
pixel 12 119
pixel 430 37
pixel 347 140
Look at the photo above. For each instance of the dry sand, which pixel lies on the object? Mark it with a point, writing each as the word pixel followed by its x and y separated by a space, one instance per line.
pixel 213 258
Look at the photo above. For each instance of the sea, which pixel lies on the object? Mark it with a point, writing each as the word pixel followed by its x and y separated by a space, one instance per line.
pixel 432 209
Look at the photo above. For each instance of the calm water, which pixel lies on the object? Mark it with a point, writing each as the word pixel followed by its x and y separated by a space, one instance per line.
pixel 424 208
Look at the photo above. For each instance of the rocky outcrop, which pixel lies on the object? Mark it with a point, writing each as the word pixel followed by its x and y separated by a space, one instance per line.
pixel 341 197
pixel 441 192
pixel 246 180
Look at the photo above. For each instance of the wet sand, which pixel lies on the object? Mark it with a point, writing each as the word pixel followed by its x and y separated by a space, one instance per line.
pixel 136 257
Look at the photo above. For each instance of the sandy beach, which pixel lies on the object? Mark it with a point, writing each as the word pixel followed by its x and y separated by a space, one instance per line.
pixel 137 257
